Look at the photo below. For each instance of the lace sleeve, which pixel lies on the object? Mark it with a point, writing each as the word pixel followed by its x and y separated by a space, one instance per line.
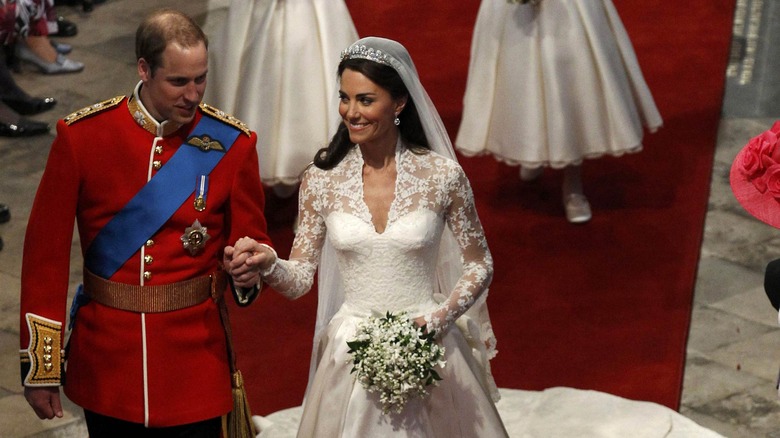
pixel 294 277
pixel 462 219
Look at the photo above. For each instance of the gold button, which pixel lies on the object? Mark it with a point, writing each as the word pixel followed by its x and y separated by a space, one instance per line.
pixel 47 349
pixel 48 366
pixel 47 340
pixel 158 150
pixel 157 164
pixel 148 259
pixel 47 358
pixel 147 275
pixel 149 243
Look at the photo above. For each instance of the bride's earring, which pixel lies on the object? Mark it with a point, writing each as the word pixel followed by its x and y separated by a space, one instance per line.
pixel 397 121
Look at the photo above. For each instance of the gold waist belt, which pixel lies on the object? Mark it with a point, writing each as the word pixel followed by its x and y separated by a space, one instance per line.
pixel 154 299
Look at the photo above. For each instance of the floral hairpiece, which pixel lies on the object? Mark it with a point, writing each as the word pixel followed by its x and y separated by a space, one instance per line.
pixel 758 163
pixel 359 51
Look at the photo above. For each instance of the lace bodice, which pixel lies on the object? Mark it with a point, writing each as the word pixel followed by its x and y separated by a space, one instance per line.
pixel 396 269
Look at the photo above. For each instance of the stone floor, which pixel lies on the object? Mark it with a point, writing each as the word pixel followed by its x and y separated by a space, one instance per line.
pixel 733 353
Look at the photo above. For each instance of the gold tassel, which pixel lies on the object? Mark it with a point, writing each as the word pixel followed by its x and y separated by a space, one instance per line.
pixel 238 422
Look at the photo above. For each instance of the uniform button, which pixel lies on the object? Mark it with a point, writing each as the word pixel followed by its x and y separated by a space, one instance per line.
pixel 157 164
pixel 148 259
pixel 149 243
pixel 147 275
pixel 158 150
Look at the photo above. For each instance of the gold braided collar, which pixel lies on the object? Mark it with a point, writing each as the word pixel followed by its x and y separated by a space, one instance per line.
pixel 146 121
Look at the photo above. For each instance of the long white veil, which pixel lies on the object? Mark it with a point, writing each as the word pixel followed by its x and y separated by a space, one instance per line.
pixel 475 324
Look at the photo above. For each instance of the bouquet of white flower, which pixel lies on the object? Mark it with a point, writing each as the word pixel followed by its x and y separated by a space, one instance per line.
pixel 395 358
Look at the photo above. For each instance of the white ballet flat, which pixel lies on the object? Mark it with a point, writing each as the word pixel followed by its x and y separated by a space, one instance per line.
pixel 577 208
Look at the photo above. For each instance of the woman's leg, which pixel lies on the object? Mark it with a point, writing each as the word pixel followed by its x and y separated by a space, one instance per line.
pixel 574 201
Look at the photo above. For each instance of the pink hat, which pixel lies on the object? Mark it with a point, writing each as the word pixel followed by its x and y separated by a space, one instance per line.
pixel 755 176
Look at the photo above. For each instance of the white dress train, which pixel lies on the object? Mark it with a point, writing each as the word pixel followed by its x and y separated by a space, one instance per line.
pixel 556 412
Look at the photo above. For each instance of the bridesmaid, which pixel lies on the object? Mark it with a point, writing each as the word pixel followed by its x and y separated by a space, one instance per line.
pixel 271 65
pixel 551 83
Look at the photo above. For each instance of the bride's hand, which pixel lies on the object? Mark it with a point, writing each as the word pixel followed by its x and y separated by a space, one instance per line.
pixel 245 260
pixel 251 253
pixel 420 321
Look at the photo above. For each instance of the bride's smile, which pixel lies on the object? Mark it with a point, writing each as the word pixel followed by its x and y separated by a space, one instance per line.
pixel 368 110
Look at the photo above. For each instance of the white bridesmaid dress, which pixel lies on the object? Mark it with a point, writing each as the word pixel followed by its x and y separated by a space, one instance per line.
pixel 553 84
pixel 273 65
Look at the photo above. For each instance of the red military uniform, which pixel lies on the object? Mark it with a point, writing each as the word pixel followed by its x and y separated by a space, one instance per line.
pixel 160 369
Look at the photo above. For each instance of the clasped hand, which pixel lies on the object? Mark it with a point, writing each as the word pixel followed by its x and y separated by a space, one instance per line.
pixel 245 260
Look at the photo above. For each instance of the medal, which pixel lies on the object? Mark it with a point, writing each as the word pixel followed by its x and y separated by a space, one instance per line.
pixel 200 203
pixel 194 237
pixel 202 186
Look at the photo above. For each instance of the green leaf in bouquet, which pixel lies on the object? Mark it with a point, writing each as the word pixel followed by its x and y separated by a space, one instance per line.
pixel 355 346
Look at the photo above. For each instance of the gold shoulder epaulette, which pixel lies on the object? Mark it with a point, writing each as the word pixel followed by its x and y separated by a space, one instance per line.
pixel 92 109
pixel 225 117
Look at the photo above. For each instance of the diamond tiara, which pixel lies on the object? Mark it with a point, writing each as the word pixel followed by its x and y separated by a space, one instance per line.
pixel 363 52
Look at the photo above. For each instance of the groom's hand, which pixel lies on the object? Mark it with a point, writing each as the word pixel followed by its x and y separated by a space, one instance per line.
pixel 246 259
pixel 45 401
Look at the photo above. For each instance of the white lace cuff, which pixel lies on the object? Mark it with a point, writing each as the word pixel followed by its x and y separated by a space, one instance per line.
pixel 267 271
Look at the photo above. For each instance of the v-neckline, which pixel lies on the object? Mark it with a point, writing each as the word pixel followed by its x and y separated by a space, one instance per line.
pixel 390 208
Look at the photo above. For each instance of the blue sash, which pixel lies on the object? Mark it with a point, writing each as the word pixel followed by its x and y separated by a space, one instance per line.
pixel 159 199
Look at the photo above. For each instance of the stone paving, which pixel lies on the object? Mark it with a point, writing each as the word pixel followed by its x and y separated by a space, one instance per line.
pixel 732 355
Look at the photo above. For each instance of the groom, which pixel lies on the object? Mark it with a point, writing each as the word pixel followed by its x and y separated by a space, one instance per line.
pixel 158 184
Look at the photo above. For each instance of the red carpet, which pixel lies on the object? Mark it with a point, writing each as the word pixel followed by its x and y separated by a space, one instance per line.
pixel 603 306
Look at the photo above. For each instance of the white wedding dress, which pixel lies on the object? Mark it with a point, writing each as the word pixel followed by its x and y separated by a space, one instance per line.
pixel 555 412
pixel 393 270
pixel 272 64
pixel 553 84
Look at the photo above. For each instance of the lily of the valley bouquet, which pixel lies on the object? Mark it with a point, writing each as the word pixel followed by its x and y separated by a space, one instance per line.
pixel 395 358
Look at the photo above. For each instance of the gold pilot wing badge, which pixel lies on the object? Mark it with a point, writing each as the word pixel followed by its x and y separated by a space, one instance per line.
pixel 205 143
pixel 194 237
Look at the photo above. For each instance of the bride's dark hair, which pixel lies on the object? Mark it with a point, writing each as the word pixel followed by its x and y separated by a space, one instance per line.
pixel 411 129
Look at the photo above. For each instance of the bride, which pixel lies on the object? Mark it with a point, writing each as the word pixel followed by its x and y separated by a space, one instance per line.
pixel 389 215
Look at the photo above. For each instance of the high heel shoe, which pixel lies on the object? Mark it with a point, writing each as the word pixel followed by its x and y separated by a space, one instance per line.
pixel 23 128
pixel 60 65
pixel 30 105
